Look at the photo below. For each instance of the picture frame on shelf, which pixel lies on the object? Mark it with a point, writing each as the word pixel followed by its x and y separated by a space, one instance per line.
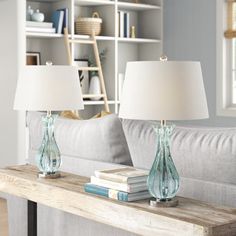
pixel 83 75
pixel 33 58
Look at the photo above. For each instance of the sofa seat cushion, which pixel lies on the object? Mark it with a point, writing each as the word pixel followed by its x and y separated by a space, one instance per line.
pixel 99 139
pixel 199 153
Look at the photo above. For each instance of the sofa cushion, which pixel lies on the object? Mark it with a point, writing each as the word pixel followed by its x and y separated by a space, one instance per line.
pixel 200 153
pixel 99 139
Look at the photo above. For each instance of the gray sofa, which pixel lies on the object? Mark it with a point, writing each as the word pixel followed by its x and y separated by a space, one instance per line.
pixel 205 159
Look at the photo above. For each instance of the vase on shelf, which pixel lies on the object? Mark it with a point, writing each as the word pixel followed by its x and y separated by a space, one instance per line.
pixel 95 87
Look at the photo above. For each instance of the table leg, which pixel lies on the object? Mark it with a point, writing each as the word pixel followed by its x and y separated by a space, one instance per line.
pixel 32 218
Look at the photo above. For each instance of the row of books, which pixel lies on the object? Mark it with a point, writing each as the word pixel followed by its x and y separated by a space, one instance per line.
pixel 59 20
pixel 123 184
pixel 124 24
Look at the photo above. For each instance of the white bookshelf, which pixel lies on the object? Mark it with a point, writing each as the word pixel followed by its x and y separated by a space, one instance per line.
pixel 146 16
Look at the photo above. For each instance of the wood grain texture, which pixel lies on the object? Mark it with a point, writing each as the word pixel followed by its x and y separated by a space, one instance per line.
pixel 191 217
pixel 3 218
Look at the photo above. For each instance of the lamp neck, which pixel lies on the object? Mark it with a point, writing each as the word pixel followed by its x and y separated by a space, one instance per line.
pixel 49 113
pixel 163 123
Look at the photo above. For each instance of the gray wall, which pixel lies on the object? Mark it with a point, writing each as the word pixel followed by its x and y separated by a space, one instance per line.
pixel 190 34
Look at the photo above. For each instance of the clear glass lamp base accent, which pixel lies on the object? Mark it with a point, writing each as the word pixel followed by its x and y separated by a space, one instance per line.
pixel 48 158
pixel 163 179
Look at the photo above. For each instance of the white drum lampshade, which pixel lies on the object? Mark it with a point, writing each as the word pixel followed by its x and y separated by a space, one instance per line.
pixel 48 88
pixel 163 90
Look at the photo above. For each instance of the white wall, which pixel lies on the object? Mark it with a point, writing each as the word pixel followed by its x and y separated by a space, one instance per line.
pixel 190 34
pixel 10 150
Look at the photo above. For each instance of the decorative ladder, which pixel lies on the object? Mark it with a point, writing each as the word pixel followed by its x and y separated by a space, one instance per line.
pixel 98 68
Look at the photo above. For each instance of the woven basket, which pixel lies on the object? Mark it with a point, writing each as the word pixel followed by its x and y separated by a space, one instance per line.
pixel 89 26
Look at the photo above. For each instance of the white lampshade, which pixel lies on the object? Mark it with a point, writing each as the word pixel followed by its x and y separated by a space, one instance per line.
pixel 48 88
pixel 163 90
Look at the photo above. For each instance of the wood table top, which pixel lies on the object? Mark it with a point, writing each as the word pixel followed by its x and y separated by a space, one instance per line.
pixel 190 217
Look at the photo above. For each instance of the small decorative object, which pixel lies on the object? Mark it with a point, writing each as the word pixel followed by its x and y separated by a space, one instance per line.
pixel 133 32
pixel 83 75
pixel 163 90
pixel 94 87
pixel 33 58
pixel 37 16
pixel 48 88
pixel 120 84
pixel 29 13
pixel 89 26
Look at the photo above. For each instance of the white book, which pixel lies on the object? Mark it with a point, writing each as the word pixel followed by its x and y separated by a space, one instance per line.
pixel 128 25
pixel 127 175
pixel 40 30
pixel 39 24
pixel 129 188
pixel 122 24
pixel 60 24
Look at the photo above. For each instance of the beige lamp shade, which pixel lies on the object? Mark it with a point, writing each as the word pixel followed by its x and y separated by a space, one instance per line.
pixel 163 90
pixel 48 88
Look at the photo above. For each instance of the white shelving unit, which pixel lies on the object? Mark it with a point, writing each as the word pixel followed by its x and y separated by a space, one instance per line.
pixel 146 16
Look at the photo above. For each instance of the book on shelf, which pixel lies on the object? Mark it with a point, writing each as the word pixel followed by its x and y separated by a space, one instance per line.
pixel 125 187
pixel 65 23
pixel 124 24
pixel 114 194
pixel 40 30
pixel 39 24
pixel 57 19
pixel 128 175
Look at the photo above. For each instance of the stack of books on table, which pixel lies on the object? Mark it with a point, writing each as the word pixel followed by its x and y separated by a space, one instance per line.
pixel 123 184
pixel 124 24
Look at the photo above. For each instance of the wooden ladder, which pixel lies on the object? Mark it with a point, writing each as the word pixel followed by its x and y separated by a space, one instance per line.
pixel 98 68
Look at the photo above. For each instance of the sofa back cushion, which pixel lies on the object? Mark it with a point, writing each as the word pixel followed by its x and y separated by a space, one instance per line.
pixel 99 139
pixel 207 154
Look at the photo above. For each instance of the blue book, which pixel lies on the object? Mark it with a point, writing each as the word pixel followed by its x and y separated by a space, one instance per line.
pixel 114 194
pixel 65 18
pixel 57 19
pixel 125 25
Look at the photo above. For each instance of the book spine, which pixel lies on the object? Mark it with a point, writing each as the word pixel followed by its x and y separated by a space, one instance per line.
pixel 121 24
pixel 105 192
pixel 125 25
pixel 128 25
pixel 89 188
pixel 110 184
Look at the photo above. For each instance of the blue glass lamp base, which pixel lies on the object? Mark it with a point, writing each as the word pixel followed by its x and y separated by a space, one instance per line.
pixel 163 179
pixel 48 158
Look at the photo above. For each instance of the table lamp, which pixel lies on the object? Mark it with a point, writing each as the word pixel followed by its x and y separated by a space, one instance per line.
pixel 48 88
pixel 163 90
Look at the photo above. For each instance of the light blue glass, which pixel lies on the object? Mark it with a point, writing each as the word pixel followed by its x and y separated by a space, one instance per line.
pixel 163 179
pixel 48 157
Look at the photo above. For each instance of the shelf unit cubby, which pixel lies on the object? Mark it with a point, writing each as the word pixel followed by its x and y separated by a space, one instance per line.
pixel 145 15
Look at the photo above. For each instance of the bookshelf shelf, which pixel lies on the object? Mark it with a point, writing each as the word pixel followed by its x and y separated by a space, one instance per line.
pixel 138 40
pixel 90 103
pixel 92 3
pixel 43 35
pixel 99 38
pixel 146 17
pixel 136 6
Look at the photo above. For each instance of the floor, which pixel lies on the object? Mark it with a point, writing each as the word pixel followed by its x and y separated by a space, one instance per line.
pixel 3 218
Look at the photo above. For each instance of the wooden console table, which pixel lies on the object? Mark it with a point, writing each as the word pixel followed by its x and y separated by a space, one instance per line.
pixel 192 218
